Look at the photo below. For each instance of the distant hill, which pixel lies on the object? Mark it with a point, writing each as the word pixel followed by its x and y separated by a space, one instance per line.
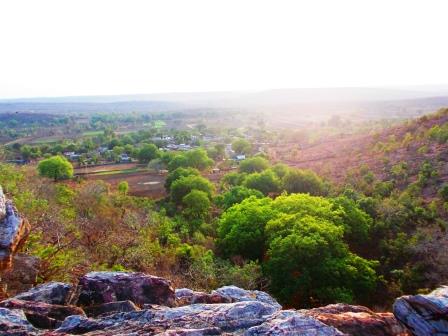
pixel 395 154
pixel 320 103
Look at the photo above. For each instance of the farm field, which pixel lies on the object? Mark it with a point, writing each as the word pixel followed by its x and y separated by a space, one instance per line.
pixel 141 181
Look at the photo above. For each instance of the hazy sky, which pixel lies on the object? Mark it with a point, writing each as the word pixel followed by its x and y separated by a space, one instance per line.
pixel 61 47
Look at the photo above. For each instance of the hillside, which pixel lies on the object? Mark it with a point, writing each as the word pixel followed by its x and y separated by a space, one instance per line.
pixel 395 154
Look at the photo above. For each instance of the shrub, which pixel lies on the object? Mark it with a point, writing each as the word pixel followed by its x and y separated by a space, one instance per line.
pixel 56 167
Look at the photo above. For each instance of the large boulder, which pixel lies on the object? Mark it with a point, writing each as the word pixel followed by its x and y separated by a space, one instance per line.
pixel 13 228
pixel 58 293
pixel 103 287
pixel 41 314
pixel 21 274
pixel 14 322
pixel 236 294
pixel 357 320
pixel 424 314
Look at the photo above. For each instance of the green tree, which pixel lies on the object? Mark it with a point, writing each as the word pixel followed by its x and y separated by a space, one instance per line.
pixel 242 146
pixel 178 173
pixel 196 205
pixel 254 165
pixel 177 161
pixel 280 169
pixel 232 179
pixel 56 167
pixel 241 228
pixel 198 159
pixel 148 152
pixel 303 181
pixel 266 182
pixel 309 263
pixel 356 222
pixel 236 195
pixel 184 185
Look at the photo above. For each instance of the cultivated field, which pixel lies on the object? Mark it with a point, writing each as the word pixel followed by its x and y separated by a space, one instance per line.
pixel 142 182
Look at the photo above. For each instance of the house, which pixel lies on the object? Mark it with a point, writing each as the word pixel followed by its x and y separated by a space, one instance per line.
pixel 184 147
pixel 240 157
pixel 102 150
pixel 125 158
pixel 74 157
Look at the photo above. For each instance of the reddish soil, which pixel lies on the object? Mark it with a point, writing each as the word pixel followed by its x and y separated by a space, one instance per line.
pixel 334 157
pixel 140 183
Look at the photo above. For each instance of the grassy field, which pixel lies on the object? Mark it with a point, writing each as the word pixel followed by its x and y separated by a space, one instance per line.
pixel 123 171
pixel 92 133
pixel 159 124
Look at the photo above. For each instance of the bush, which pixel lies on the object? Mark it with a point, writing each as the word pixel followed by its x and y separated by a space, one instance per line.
pixel 197 158
pixel 236 195
pixel 443 192
pixel 254 165
pixel 178 173
pixel 303 181
pixel 196 205
pixel 242 146
pixel 184 185
pixel 266 182
pixel 148 152
pixel 56 167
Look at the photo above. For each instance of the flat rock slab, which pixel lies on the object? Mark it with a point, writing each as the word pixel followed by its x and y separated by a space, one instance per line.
pixel 424 314
pixel 236 294
pixel 103 287
pixel 358 320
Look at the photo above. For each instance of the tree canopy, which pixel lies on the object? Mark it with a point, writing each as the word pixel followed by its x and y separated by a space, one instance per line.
pixel 265 182
pixel 303 181
pixel 184 185
pixel 56 167
pixel 242 146
pixel 255 164
pixel 148 152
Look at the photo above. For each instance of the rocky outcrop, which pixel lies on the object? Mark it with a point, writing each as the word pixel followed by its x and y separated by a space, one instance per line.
pixel 357 320
pixel 290 322
pixel 13 228
pixel 14 322
pixel 103 287
pixel 58 293
pixel 13 232
pixel 229 317
pixel 41 314
pixel 236 294
pixel 21 274
pixel 424 314
pixel 120 303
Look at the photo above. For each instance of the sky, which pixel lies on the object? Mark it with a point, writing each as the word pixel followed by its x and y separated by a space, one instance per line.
pixel 96 47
